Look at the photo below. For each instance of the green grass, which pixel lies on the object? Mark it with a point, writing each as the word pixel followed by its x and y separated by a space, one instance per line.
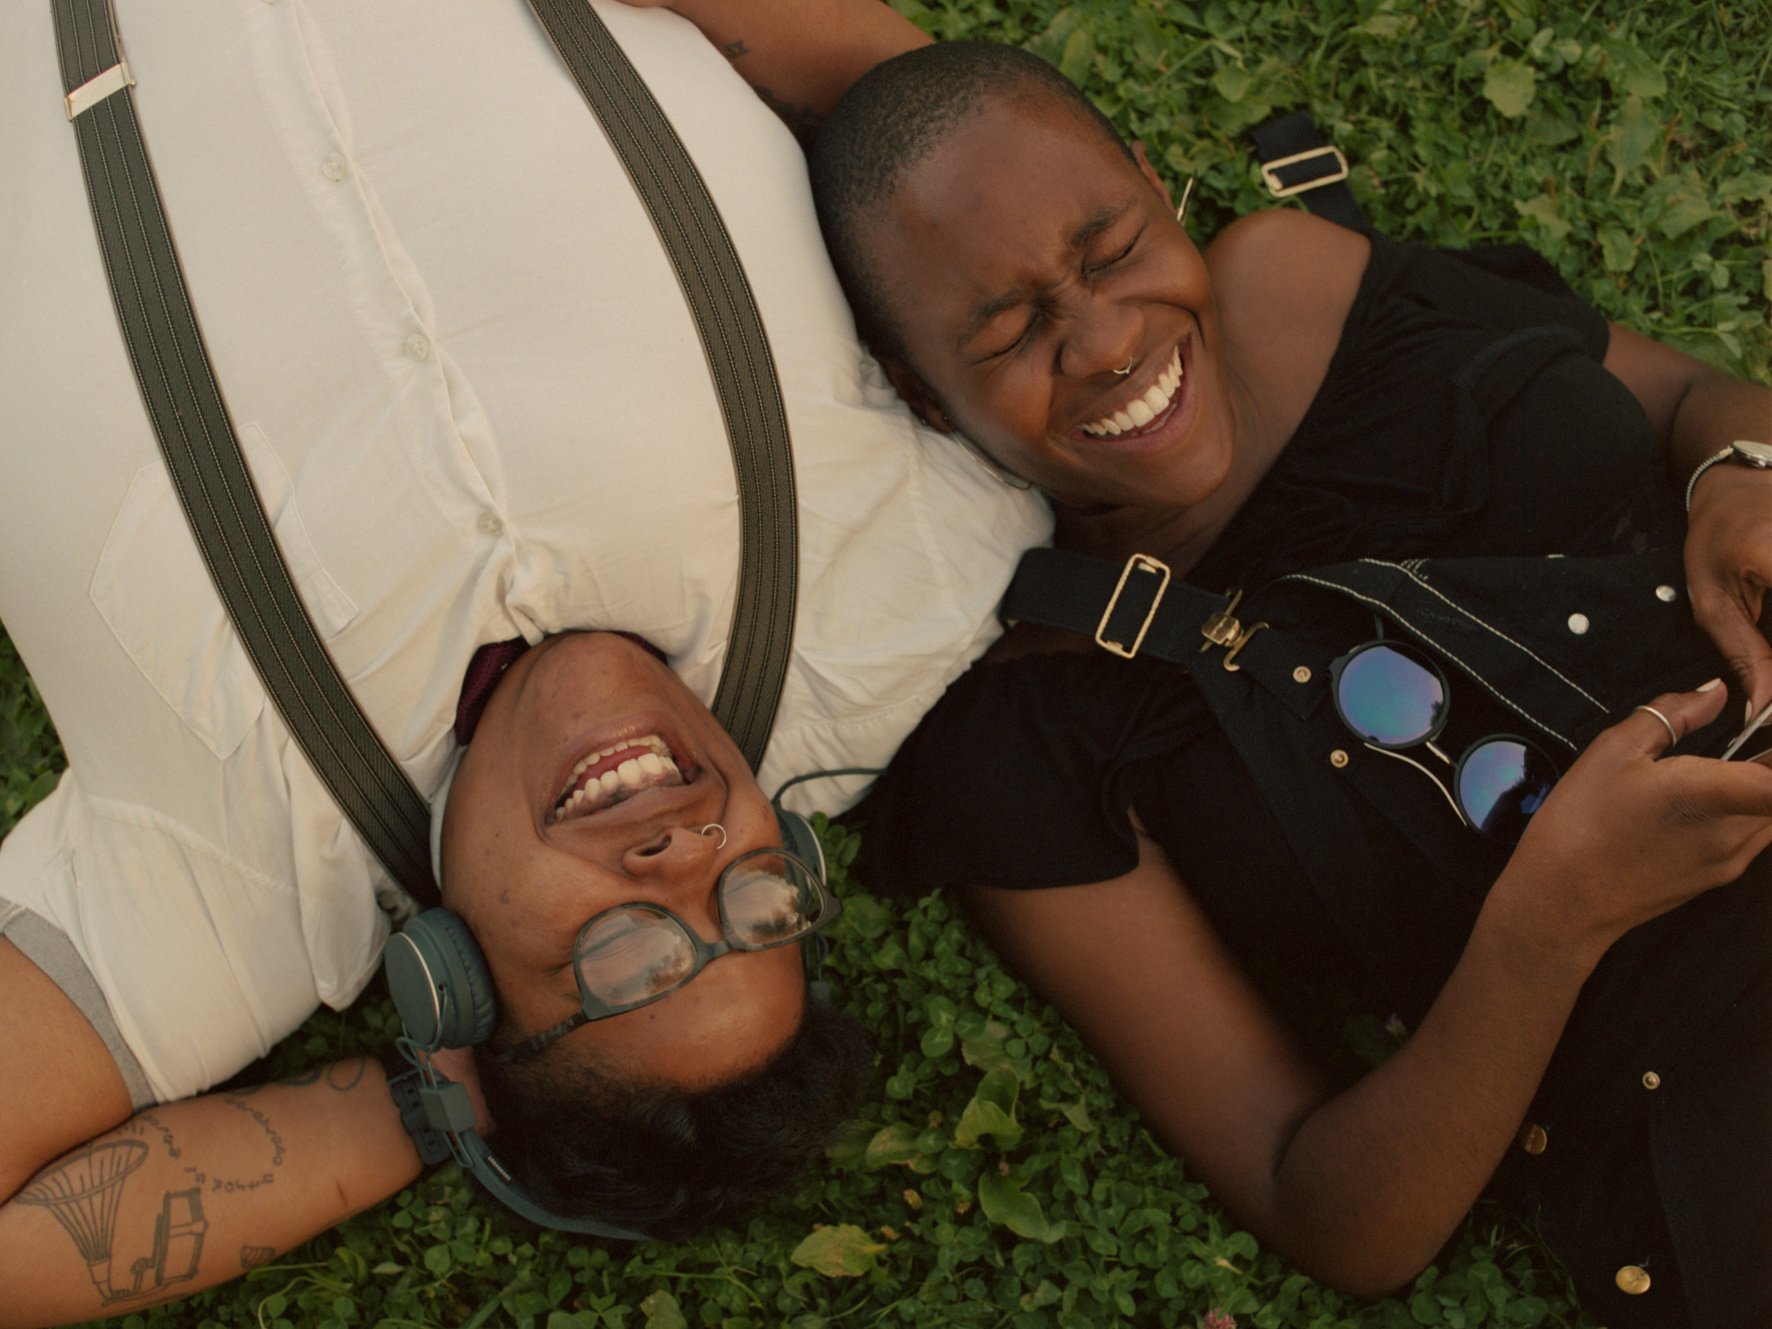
pixel 995 1179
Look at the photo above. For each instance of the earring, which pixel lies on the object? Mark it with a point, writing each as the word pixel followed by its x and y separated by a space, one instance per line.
pixel 715 826
pixel 1187 191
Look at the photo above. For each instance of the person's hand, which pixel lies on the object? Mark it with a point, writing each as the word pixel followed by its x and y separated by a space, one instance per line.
pixel 1729 567
pixel 458 1064
pixel 1625 837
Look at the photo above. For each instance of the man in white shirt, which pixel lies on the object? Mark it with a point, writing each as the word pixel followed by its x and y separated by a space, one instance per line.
pixel 476 409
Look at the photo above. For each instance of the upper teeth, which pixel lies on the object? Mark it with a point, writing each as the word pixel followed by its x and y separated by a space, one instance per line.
pixel 612 786
pixel 1139 412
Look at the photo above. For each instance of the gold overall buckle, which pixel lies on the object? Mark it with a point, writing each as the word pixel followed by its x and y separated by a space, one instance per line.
pixel 1136 563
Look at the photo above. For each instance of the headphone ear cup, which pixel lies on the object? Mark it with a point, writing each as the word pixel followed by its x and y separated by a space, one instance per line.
pixel 800 840
pixel 441 987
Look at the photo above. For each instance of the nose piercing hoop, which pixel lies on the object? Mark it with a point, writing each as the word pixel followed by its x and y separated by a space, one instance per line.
pixel 1127 370
pixel 715 826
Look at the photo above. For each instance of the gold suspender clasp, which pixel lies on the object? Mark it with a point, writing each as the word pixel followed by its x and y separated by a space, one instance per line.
pixel 1137 563
pixel 1223 629
pixel 1335 169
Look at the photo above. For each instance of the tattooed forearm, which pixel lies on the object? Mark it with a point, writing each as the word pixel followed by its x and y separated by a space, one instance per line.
pixel 251 1257
pixel 264 1124
pixel 732 50
pixel 83 1192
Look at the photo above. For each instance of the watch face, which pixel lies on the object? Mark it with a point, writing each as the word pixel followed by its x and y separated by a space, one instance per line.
pixel 1752 453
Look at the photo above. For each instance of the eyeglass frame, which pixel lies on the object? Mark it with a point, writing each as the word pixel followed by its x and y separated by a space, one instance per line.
pixel 1415 655
pixel 593 1008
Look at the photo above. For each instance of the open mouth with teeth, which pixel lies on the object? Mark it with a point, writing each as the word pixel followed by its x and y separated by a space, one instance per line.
pixel 614 774
pixel 1145 414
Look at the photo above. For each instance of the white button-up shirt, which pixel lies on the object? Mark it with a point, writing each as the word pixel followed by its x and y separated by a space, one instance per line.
pixel 476 408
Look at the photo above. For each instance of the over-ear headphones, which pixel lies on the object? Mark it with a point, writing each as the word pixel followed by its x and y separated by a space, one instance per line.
pixel 444 996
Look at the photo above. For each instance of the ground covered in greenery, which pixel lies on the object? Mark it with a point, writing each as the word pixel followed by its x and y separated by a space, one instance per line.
pixel 995 1179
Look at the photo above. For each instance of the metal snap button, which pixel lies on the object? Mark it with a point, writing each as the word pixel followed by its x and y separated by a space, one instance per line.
pixel 1651 1080
pixel 1302 674
pixel 489 524
pixel 1578 624
pixel 1666 594
pixel 1632 1280
pixel 333 168
pixel 1338 758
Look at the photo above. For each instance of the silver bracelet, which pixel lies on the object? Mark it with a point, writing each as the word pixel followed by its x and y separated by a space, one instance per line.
pixel 1701 468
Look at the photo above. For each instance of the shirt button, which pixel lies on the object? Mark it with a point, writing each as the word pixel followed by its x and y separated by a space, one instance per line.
pixel 333 168
pixel 1666 594
pixel 1534 1139
pixel 1578 624
pixel 1302 674
pixel 489 524
pixel 1338 758
pixel 1651 1080
pixel 1632 1280
pixel 417 347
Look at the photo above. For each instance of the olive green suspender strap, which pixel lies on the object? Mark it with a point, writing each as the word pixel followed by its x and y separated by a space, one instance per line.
pixel 215 488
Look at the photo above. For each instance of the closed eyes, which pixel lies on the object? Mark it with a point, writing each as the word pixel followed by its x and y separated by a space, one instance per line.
pixel 1091 270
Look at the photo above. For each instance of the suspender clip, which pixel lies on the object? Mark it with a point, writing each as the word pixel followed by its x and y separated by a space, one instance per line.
pixel 90 93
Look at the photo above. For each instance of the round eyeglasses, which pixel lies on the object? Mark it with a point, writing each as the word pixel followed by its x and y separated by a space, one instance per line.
pixel 631 955
pixel 1394 697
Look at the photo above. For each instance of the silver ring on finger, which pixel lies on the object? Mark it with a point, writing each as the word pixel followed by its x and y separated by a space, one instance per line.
pixel 1673 735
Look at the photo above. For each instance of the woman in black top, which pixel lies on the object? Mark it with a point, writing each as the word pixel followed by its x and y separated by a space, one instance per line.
pixel 1304 395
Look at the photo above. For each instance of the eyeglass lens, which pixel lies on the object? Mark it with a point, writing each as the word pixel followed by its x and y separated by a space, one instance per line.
pixel 1394 700
pixel 636 952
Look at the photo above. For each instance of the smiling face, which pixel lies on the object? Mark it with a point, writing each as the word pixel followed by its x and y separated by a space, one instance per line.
pixel 585 786
pixel 1026 262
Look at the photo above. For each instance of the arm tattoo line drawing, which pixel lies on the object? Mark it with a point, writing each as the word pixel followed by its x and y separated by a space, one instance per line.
pixel 83 1193
pixel 251 1257
pixel 803 121
pixel 732 50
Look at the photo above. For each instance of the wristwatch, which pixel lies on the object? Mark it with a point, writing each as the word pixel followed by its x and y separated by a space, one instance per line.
pixel 1744 451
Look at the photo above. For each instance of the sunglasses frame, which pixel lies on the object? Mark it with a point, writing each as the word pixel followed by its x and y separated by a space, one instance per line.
pixel 1426 662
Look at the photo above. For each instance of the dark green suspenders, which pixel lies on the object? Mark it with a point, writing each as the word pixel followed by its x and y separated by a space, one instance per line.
pixel 738 356
pixel 215 488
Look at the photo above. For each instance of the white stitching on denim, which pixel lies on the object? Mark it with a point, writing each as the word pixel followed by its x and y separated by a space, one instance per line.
pixel 1598 705
pixel 1474 674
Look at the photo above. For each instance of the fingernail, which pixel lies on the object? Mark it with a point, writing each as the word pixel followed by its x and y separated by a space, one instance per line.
pixel 1711 686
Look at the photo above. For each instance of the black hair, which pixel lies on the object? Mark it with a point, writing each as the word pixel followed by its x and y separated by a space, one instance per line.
pixel 893 119
pixel 586 1140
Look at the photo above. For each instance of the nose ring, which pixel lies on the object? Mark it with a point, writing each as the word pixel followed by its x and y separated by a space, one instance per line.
pixel 1128 369
pixel 715 826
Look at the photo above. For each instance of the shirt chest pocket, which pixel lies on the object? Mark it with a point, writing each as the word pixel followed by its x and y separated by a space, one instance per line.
pixel 154 592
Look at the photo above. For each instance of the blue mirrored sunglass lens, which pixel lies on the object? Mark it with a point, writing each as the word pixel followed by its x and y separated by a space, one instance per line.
pixel 1388 698
pixel 1501 783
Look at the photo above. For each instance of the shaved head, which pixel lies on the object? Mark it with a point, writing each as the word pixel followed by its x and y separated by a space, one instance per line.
pixel 894 119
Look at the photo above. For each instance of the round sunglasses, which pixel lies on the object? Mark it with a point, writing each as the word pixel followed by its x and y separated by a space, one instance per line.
pixel 1392 697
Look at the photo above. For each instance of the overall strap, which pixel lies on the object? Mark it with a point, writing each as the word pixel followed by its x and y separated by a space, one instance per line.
pixel 1137 608
pixel 738 356
pixel 1296 160
pixel 207 468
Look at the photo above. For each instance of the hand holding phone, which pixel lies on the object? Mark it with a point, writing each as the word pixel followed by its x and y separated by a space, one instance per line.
pixel 1735 744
